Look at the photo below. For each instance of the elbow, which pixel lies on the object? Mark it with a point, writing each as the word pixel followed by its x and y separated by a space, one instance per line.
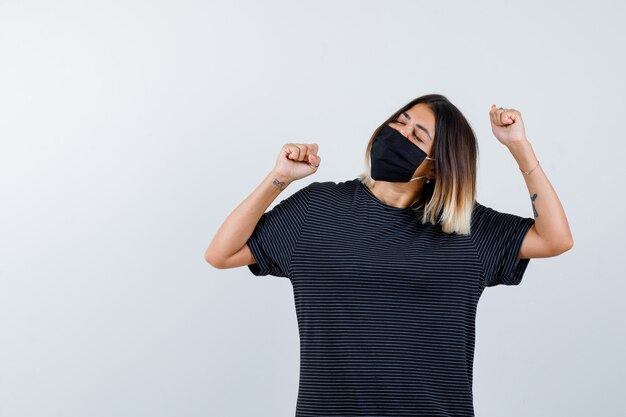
pixel 213 260
pixel 564 247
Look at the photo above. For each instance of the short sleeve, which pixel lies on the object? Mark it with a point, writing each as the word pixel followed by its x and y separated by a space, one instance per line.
pixel 276 235
pixel 498 238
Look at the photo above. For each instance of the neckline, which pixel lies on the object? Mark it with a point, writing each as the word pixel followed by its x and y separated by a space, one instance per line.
pixel 380 202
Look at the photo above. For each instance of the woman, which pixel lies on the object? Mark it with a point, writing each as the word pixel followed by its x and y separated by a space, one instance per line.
pixel 387 268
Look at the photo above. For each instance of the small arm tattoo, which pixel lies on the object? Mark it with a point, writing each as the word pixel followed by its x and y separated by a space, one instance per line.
pixel 279 184
pixel 533 198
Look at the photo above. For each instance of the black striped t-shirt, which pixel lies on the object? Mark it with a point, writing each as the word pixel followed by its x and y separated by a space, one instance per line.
pixel 385 305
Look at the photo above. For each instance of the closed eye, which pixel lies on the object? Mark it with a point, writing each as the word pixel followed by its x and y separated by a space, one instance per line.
pixel 413 131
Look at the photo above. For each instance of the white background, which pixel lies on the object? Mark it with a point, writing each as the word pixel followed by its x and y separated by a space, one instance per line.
pixel 130 130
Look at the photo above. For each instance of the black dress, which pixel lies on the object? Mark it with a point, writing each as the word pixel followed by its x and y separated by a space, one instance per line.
pixel 385 305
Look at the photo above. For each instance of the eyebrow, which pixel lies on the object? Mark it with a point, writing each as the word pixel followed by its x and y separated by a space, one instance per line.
pixel 419 126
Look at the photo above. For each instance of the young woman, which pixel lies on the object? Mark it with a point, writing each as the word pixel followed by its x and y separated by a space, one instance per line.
pixel 387 268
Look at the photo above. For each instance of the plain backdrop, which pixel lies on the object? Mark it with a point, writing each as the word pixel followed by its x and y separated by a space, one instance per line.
pixel 131 129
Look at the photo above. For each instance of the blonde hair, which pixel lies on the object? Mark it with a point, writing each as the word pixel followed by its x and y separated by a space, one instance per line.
pixel 449 200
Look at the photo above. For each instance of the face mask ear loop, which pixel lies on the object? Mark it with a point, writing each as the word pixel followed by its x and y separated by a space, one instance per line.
pixel 432 159
pixel 417 178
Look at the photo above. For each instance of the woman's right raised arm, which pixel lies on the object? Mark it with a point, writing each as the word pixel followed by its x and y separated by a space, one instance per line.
pixel 228 249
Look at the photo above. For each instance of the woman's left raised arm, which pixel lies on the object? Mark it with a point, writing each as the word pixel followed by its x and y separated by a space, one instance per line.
pixel 550 235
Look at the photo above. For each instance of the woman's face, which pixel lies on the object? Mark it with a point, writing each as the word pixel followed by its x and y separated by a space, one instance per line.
pixel 417 124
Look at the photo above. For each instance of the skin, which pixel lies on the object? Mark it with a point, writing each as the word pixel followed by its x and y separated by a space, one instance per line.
pixel 549 236
pixel 229 249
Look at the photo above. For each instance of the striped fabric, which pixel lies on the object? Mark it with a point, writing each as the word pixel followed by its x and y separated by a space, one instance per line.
pixel 385 305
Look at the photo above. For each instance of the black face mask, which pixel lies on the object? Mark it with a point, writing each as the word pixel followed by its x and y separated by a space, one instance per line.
pixel 395 158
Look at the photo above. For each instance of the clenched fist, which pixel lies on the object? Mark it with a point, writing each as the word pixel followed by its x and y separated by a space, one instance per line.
pixel 507 125
pixel 297 160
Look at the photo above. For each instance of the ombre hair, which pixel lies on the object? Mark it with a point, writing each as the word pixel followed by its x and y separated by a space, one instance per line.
pixel 450 199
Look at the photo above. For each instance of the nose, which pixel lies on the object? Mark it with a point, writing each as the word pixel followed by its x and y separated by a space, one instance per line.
pixel 402 129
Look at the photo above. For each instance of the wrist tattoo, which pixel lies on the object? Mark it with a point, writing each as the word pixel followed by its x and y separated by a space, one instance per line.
pixel 533 198
pixel 280 184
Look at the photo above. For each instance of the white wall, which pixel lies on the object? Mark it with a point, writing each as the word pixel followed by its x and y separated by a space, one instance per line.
pixel 130 129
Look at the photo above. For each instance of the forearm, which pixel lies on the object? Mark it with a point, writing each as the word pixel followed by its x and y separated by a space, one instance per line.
pixel 550 220
pixel 240 223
